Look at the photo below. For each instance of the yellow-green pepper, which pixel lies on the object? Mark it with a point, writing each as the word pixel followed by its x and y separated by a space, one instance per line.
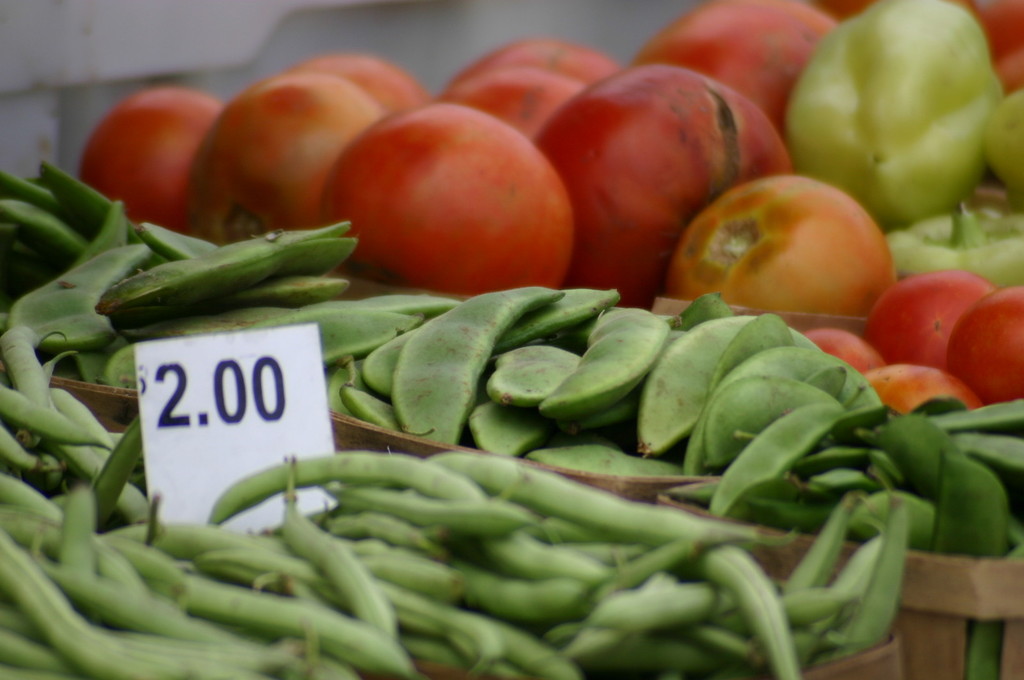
pixel 982 238
pixel 892 108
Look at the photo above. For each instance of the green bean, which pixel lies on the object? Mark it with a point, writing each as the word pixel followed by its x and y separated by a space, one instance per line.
pixel 735 571
pixel 524 601
pixel 520 554
pixel 982 660
pixel 18 351
pixel 187 541
pixel 111 482
pixel 334 559
pixel 107 602
pixel 76 540
pixel 437 374
pixel 85 206
pixel 872 619
pixel 43 231
pixel 1003 416
pixel 12 186
pixel 349 467
pixel 817 564
pixel 21 652
pixel 10 672
pixel 486 517
pixel 237 655
pixel 393 530
pixel 15 456
pixel 231 268
pixel 1003 453
pixel 552 495
pixel 74 639
pixel 831 457
pixel 113 233
pixel 340 636
pixel 661 602
pixel 170 244
pixel 972 510
pixel 14 620
pixel 607 650
pixel 18 493
pixel 667 557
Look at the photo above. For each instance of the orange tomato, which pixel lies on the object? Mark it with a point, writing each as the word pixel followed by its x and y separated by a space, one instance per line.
pixel 264 162
pixel 445 197
pixel 784 243
pixel 758 47
pixel 576 60
pixel 904 387
pixel 142 149
pixel 847 345
pixel 394 87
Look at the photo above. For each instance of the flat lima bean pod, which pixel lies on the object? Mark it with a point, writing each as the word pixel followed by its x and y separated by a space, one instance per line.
pixel 436 377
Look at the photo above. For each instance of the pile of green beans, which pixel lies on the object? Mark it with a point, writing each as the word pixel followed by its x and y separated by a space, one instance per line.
pixel 580 383
pixel 959 471
pixel 50 441
pixel 472 561
pixel 90 283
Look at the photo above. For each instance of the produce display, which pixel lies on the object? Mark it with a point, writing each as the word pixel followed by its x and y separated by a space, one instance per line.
pixel 857 162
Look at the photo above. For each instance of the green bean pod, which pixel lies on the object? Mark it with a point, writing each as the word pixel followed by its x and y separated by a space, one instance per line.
pixel 334 559
pixel 62 312
pixel 231 268
pixel 621 350
pixel 349 467
pixel 43 232
pixel 438 369
pixel 577 306
pixel 549 494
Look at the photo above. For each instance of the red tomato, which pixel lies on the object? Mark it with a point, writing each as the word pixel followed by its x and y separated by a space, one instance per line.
pixel 1003 21
pixel 264 162
pixel 390 84
pixel 758 47
pixel 451 199
pixel 141 152
pixel 903 387
pixel 643 151
pixel 911 321
pixel 848 346
pixel 523 96
pixel 568 58
pixel 784 243
pixel 986 346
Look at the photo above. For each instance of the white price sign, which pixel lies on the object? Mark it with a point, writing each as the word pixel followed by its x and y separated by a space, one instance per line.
pixel 217 407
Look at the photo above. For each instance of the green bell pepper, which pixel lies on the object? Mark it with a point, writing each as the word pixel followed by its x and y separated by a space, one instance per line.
pixel 984 237
pixel 892 108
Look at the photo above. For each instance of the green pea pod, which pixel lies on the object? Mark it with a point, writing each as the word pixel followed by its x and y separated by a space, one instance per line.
pixel 43 232
pixel 62 312
pixel 170 244
pixel 916 444
pixel 231 268
pixel 12 186
pixel 113 233
pixel 704 308
pixel 85 207
pixel 972 510
pixel 438 369
pixel 575 307
pixel 623 346
pixel 770 454
pixel 508 430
